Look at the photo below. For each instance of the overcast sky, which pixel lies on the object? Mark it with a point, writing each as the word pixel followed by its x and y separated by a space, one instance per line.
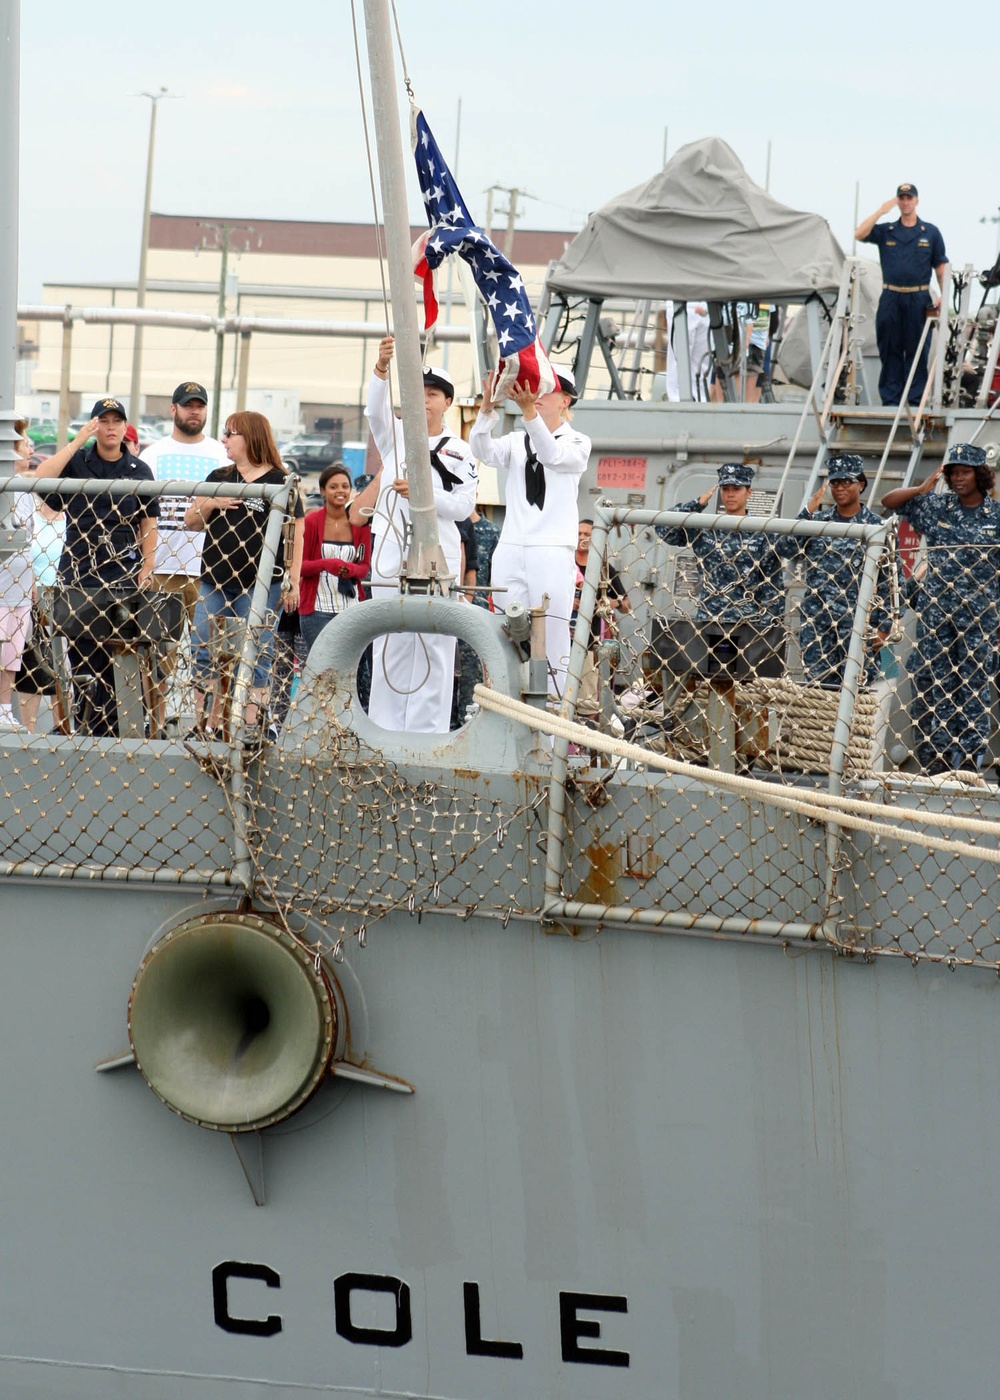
pixel 569 102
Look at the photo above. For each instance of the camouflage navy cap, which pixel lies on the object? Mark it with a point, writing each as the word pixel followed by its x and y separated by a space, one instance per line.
pixel 847 467
pixel 965 454
pixel 736 474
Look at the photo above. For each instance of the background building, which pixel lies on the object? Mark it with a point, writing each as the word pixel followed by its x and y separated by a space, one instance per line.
pixel 291 270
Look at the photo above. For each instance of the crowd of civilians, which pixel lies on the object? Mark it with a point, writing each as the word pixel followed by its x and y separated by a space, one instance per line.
pixel 97 552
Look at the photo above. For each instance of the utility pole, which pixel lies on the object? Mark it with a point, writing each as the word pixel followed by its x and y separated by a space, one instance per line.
pixel 223 240
pixel 220 334
pixel 489 211
pixel 508 242
pixel 767 171
pixel 666 133
pixel 857 215
pixel 513 195
pixel 134 402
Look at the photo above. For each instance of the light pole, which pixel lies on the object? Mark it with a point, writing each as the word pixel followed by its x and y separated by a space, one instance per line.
pixel 140 291
pixel 993 219
pixel 223 240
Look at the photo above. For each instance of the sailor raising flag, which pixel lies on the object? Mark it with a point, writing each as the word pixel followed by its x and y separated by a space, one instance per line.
pixel 452 231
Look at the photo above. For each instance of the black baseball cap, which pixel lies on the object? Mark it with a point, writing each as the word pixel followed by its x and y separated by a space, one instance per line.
pixel 902 190
pixel 185 393
pixel 103 406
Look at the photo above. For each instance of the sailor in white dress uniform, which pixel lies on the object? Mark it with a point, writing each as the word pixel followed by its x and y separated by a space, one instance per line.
pixel 413 674
pixel 544 464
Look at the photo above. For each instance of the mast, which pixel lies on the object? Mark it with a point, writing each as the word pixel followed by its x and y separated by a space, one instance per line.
pixel 426 556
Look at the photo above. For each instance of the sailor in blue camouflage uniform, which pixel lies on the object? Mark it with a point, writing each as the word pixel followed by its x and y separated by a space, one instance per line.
pixel 742 579
pixel 908 249
pixel 833 574
pixel 958 610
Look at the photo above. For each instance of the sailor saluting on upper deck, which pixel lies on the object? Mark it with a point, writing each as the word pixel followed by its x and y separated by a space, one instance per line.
pixel 908 248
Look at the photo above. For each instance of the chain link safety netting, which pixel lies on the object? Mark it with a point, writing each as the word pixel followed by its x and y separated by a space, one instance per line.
pixel 118 640
pixel 799 729
pixel 344 836
pixel 160 728
pixel 791 733
pixel 116 671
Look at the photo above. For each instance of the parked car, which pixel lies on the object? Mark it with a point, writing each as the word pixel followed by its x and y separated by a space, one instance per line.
pixel 310 454
pixel 297 440
pixel 45 430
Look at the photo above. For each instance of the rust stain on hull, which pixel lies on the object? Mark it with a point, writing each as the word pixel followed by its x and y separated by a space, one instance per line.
pixel 600 885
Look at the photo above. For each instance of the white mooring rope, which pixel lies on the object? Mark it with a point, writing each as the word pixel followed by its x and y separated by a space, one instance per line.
pixel 820 806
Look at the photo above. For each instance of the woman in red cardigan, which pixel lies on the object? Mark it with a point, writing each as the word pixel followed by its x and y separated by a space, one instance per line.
pixel 336 555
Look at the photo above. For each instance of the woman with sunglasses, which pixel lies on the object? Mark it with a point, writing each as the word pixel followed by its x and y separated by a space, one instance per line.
pixel 234 540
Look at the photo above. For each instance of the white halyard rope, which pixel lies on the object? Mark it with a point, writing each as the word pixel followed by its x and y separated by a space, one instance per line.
pixel 820 806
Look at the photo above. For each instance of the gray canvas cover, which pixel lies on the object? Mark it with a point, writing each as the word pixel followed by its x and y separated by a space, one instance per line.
pixel 794 359
pixel 700 230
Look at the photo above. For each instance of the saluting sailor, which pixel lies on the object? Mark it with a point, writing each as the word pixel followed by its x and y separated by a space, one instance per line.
pixel 908 249
pixel 833 574
pixel 742 580
pixel 412 674
pixel 544 464
pixel 958 609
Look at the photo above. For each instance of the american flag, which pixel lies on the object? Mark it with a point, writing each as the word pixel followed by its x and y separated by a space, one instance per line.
pixel 452 231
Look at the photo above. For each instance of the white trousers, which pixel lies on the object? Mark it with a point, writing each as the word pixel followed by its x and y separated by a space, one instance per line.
pixel 413 676
pixel 528 572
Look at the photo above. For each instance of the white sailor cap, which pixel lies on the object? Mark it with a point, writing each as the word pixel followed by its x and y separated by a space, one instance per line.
pixel 437 378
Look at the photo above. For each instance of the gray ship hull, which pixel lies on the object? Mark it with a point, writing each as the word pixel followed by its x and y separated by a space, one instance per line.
pixel 670 1167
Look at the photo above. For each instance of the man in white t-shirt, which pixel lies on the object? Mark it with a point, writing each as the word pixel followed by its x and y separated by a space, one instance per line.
pixel 186 455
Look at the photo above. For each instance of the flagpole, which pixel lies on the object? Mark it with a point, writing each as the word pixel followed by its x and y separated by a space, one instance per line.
pixel 426 558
